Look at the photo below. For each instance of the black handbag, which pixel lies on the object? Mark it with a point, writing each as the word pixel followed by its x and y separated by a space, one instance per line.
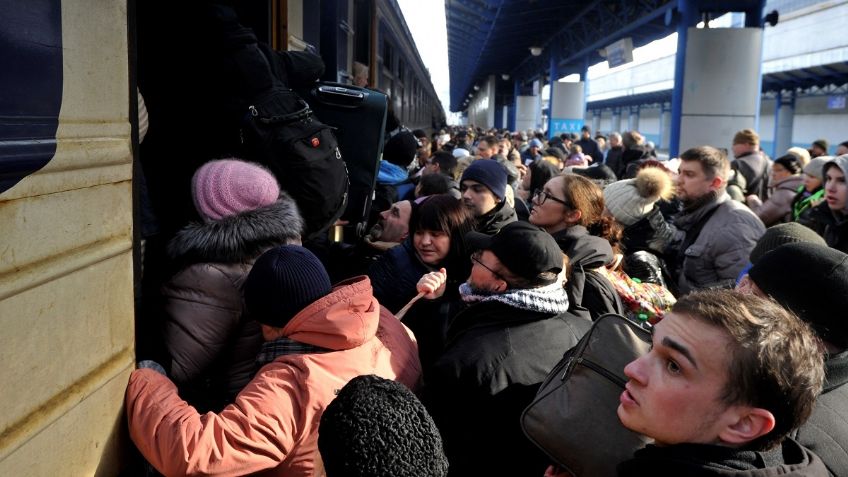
pixel 573 417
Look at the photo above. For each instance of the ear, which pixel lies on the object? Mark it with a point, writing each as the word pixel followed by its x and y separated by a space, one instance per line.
pixel 750 423
pixel 716 183
pixel 573 216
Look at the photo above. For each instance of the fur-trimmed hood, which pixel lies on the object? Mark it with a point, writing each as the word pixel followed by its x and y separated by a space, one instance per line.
pixel 238 238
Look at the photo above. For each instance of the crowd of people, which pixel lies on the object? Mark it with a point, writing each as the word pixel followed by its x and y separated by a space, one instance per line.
pixel 414 350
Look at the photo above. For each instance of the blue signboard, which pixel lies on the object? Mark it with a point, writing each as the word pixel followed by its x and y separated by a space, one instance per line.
pixel 562 125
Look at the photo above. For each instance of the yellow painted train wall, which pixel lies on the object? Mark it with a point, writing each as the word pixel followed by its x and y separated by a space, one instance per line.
pixel 66 271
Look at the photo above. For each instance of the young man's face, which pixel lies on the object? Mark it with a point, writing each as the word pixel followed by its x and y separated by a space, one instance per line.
pixel 692 182
pixel 673 392
pixel 835 188
pixel 811 183
pixel 477 197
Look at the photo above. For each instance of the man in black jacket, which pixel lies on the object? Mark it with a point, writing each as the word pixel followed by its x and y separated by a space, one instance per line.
pixel 727 378
pixel 818 293
pixel 499 349
pixel 589 145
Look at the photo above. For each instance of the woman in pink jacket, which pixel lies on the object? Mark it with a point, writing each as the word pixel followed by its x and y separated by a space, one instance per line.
pixel 317 338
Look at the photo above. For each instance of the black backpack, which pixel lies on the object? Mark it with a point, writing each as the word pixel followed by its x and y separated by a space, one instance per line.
pixel 279 131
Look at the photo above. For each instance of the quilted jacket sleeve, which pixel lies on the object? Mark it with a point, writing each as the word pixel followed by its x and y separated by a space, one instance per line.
pixel 252 434
pixel 202 308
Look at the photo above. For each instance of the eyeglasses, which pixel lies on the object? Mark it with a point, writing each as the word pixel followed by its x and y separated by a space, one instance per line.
pixel 543 196
pixel 476 258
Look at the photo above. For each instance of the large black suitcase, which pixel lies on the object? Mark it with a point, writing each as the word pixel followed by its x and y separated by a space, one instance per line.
pixel 359 118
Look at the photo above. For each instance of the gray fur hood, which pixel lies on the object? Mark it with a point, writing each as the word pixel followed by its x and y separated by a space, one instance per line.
pixel 238 238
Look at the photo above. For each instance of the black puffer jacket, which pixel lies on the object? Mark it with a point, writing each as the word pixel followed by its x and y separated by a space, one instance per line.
pixel 834 230
pixel 590 295
pixel 826 431
pixel 211 342
pixel 701 460
pixel 495 359
pixel 395 275
pixel 492 222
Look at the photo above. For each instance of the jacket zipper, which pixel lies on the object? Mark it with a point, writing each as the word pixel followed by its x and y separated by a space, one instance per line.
pixel 602 371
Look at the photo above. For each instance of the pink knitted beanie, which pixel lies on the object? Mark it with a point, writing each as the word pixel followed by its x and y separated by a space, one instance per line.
pixel 229 187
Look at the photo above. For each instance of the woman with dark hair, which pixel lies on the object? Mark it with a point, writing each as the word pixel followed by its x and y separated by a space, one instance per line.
pixel 436 240
pixel 571 208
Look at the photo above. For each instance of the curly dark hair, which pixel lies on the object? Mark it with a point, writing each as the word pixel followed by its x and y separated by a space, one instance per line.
pixel 376 427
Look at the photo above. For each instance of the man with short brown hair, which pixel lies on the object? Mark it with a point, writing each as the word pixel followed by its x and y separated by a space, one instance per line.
pixel 727 378
pixel 715 234
pixel 751 163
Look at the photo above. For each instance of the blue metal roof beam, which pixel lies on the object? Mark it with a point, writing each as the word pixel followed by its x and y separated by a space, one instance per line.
pixel 469 77
pixel 566 36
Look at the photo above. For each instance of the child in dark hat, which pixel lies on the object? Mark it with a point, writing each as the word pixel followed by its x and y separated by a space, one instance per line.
pixel 316 337
pixel 377 428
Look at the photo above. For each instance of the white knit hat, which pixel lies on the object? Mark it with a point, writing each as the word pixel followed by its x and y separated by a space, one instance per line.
pixel 630 200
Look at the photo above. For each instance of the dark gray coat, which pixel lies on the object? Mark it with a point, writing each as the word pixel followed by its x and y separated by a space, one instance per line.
pixel 721 249
pixel 211 341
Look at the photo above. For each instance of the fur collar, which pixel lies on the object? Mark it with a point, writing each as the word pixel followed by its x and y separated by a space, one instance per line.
pixel 238 238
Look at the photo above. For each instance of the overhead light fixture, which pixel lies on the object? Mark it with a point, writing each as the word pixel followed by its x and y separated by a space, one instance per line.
pixel 505 77
pixel 535 50
pixel 476 87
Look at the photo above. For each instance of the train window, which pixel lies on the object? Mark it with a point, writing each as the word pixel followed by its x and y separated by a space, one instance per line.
pixel 388 54
pixel 401 68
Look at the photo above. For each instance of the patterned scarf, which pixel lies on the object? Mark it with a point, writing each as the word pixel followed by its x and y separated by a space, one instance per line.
pixel 272 350
pixel 547 299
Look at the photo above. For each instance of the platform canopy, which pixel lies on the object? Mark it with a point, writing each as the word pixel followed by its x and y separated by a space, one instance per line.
pixel 494 37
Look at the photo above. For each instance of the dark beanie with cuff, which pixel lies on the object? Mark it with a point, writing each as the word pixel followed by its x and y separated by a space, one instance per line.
pixel 488 172
pixel 811 280
pixel 400 150
pixel 282 282
pixel 782 234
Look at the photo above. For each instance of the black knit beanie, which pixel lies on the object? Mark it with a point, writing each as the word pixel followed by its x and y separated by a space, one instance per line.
pixel 377 428
pixel 789 162
pixel 400 150
pixel 284 281
pixel 782 234
pixel 812 281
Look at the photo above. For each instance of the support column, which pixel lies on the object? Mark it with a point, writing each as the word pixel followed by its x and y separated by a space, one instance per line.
pixel 665 123
pixel 616 120
pixel 633 119
pixel 596 121
pixel 511 121
pixel 784 117
pixel 567 108
pixel 537 93
pixel 554 75
pixel 709 105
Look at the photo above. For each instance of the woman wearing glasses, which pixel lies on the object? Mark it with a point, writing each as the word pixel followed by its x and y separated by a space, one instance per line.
pixel 436 232
pixel 571 209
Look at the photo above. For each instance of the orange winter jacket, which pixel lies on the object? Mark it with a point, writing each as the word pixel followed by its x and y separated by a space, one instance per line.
pixel 273 424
